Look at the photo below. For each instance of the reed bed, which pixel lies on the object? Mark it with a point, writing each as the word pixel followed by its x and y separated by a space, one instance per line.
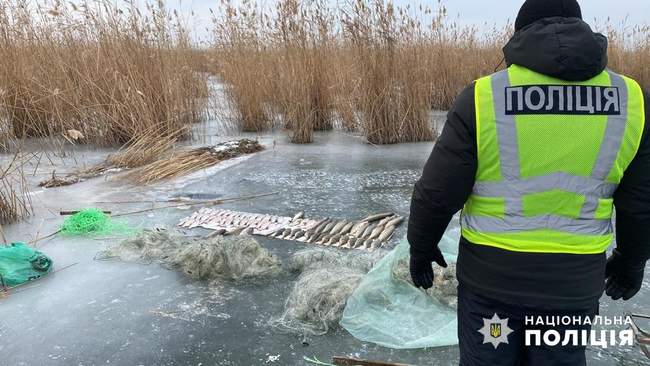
pixel 15 202
pixel 110 73
pixel 629 51
pixel 366 66
pixel 113 73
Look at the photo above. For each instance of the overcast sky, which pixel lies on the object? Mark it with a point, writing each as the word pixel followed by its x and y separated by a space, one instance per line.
pixel 499 12
pixel 636 11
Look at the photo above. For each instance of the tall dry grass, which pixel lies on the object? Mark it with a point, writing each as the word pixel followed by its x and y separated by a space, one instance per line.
pixel 629 51
pixel 366 65
pixel 15 202
pixel 275 64
pixel 117 72
pixel 240 63
pixel 109 72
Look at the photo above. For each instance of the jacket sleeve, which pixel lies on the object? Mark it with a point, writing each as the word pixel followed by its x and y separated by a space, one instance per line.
pixel 632 200
pixel 447 180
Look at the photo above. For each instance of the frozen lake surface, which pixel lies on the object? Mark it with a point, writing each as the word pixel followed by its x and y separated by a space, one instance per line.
pixel 98 312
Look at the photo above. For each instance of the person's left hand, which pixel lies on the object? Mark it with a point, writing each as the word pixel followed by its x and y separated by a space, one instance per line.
pixel 422 270
pixel 624 276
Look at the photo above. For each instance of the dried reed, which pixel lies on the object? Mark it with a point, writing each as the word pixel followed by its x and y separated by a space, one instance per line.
pixel 15 202
pixel 110 73
pixel 366 64
pixel 179 163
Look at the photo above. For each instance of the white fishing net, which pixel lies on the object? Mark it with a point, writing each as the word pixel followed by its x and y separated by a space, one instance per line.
pixel 445 284
pixel 356 259
pixel 219 257
pixel 318 298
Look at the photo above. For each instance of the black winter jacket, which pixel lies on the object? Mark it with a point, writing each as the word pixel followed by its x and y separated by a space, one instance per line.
pixel 565 48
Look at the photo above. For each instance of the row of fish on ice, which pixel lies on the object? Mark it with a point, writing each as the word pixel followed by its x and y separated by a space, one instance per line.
pixel 369 233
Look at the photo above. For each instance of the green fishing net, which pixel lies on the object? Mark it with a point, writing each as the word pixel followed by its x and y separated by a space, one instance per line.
pixel 92 221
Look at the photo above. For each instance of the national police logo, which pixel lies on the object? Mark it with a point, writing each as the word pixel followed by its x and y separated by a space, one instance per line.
pixel 495 331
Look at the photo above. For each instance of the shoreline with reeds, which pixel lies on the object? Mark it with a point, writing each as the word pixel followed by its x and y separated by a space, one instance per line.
pixel 132 77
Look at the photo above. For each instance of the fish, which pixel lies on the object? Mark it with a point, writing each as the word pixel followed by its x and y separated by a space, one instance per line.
pixel 346 229
pixel 366 244
pixel 367 232
pixel 304 238
pixel 292 233
pixel 362 229
pixel 318 231
pixel 299 215
pixel 329 227
pixel 376 217
pixel 325 239
pixel 337 228
pixel 317 227
pixel 229 220
pixel 318 238
pixel 373 245
pixel 319 224
pixel 356 243
pixel 343 242
pixel 386 233
pixel 236 231
pixel 356 226
pixel 276 233
pixel 247 231
pixel 334 240
pixel 376 232
pixel 383 221
pixel 216 233
pixel 265 220
pixel 298 234
pixel 284 234
pixel 396 221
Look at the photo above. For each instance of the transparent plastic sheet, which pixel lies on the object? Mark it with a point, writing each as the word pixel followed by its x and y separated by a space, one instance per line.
pixel 393 313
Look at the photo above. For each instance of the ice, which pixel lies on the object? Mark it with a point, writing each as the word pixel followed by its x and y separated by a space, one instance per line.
pixel 100 312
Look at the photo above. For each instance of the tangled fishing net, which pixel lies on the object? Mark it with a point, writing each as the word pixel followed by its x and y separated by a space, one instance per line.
pixel 445 284
pixel 360 260
pixel 219 257
pixel 93 221
pixel 328 278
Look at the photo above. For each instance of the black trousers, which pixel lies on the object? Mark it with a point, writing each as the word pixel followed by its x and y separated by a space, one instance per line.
pixel 474 309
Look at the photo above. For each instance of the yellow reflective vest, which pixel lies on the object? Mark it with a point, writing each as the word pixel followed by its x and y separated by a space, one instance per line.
pixel 551 154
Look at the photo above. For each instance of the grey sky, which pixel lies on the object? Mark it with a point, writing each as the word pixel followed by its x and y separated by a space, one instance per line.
pixel 620 12
pixel 634 11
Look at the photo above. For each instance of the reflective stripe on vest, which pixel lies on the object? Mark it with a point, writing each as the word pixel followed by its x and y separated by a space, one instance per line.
pixel 524 198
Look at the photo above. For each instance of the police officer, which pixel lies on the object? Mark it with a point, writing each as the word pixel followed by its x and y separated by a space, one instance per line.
pixel 537 156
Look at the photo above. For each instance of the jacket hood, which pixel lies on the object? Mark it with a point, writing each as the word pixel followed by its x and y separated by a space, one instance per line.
pixel 564 48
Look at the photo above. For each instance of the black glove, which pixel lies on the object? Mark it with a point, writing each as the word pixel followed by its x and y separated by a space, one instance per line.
pixel 421 270
pixel 624 276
